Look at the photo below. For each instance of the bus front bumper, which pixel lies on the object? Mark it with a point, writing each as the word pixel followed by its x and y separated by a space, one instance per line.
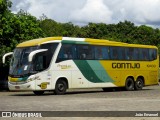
pixel 21 86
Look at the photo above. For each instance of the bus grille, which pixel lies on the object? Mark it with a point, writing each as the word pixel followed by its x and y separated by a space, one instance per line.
pixel 17 83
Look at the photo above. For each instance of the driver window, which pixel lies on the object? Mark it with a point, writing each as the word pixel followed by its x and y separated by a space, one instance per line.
pixel 40 63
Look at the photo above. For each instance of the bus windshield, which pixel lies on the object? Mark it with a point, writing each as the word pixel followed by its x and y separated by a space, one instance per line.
pixel 19 65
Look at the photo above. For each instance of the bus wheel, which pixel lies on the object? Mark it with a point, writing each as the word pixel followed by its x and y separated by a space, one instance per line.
pixel 129 86
pixel 139 84
pixel 60 87
pixel 38 92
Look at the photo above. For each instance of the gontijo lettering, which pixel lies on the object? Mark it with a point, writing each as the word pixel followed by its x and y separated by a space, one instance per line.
pixel 126 65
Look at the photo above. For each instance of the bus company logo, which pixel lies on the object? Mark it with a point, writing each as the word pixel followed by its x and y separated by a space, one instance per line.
pixel 6 114
pixel 64 66
pixel 126 65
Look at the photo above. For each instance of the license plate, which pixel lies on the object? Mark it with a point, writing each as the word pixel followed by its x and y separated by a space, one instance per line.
pixel 17 87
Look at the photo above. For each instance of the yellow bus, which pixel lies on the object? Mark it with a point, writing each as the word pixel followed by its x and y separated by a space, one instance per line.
pixel 61 63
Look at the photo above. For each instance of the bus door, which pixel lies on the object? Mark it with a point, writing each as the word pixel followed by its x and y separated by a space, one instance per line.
pixel 43 80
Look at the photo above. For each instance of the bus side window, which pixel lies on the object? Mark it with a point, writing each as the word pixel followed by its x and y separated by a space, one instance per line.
pixel 101 53
pixel 122 55
pixel 85 52
pixel 140 54
pixel 105 51
pixel 117 53
pixel 114 53
pixel 136 54
pixel 98 53
pixel 66 52
pixel 152 54
pixel 129 53
pixel 144 54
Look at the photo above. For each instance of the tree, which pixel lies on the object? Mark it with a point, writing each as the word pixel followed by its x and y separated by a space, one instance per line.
pixel 4 15
pixel 94 30
pixel 53 28
pixel 124 31
pixel 50 27
pixel 4 6
pixel 4 11
pixel 15 28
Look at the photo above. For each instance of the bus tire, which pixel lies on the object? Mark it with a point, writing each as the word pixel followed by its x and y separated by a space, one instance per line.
pixel 139 84
pixel 38 92
pixel 61 87
pixel 129 85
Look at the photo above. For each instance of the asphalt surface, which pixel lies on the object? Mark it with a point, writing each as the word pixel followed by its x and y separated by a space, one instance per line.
pixel 147 99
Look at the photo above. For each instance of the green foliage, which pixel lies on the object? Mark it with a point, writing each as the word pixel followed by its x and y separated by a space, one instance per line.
pixel 28 27
pixel 4 6
pixel 15 28
pixel 53 28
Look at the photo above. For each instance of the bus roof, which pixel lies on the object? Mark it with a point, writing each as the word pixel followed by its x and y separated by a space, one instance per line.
pixel 37 42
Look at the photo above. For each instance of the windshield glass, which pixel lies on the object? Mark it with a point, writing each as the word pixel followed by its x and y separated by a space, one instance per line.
pixel 19 64
pixel 21 67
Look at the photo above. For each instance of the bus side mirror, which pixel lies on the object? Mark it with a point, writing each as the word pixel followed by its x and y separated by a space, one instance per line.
pixel 33 53
pixel 5 55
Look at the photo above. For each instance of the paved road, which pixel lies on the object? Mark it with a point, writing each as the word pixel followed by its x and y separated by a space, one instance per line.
pixel 147 99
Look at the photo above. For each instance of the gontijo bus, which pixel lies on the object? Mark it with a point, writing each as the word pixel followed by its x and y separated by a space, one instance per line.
pixel 60 63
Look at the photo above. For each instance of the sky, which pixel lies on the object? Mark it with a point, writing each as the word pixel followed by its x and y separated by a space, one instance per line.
pixel 81 12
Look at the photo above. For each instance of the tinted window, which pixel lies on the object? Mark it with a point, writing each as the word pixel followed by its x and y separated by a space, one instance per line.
pixel 40 63
pixel 130 53
pixel 49 53
pixel 122 54
pixel 67 52
pixel 90 52
pixel 152 54
pixel 85 52
pixel 115 53
pixel 143 54
pixel 101 53
pixel 136 54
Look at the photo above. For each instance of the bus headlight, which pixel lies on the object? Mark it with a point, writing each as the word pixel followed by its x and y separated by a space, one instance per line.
pixel 32 78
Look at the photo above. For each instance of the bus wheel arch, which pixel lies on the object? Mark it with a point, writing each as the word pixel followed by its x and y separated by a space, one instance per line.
pixel 61 86
pixel 139 83
pixel 129 84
